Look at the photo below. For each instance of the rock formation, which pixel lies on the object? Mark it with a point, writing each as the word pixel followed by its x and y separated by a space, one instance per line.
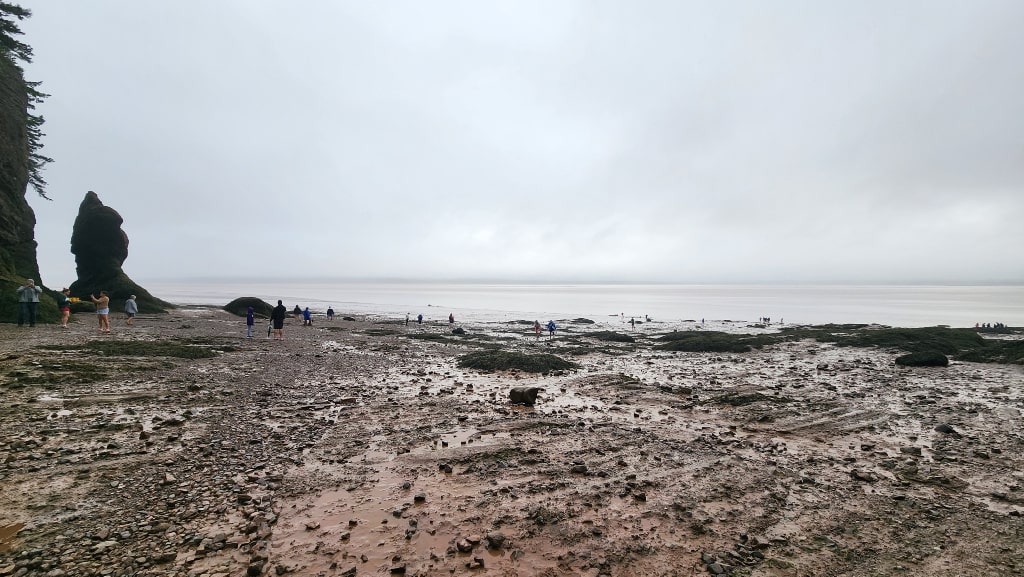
pixel 17 220
pixel 240 307
pixel 100 248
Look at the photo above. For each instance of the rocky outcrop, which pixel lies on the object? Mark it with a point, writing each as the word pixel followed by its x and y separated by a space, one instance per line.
pixel 100 248
pixel 241 305
pixel 17 221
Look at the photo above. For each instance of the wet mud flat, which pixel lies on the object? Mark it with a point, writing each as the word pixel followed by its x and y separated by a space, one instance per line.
pixel 178 447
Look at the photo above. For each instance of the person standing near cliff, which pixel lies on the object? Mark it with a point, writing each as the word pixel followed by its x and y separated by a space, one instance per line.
pixel 64 304
pixel 131 308
pixel 102 311
pixel 28 302
pixel 277 320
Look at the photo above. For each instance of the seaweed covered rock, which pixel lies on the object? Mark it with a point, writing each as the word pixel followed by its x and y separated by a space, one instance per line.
pixel 240 307
pixel 709 341
pixel 100 248
pixel 504 361
pixel 923 359
pixel 612 336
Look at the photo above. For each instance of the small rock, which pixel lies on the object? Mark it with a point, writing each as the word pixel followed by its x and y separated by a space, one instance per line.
pixel 524 395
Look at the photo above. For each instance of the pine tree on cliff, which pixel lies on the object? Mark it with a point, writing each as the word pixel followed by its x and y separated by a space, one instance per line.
pixel 14 51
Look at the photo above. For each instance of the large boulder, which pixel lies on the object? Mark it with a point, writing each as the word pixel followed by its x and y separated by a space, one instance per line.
pixel 100 248
pixel 240 307
pixel 523 395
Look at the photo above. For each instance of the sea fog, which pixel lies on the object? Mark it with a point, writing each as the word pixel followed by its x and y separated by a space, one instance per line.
pixel 904 306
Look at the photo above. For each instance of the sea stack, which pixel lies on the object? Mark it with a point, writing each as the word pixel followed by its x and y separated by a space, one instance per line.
pixel 100 248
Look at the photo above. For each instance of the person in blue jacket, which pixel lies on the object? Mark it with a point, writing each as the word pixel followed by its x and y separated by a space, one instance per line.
pixel 551 328
pixel 250 321
pixel 307 317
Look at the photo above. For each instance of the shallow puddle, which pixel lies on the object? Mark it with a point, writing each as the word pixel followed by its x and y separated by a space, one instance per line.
pixel 7 535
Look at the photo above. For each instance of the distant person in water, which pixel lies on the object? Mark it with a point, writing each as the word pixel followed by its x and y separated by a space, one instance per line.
pixel 250 321
pixel 330 313
pixel 131 308
pixel 536 328
pixel 102 311
pixel 307 318
pixel 277 320
pixel 551 328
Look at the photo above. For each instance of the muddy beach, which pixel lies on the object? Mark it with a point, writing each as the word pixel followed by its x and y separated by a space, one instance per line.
pixel 360 447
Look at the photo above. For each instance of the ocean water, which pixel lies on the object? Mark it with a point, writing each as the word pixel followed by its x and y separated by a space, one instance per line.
pixel 904 306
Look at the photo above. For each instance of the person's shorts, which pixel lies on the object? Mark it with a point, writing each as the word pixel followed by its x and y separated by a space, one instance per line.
pixel 65 309
pixel 130 315
pixel 103 311
pixel 278 324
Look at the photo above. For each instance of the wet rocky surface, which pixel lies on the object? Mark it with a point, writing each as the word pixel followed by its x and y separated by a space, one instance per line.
pixel 360 448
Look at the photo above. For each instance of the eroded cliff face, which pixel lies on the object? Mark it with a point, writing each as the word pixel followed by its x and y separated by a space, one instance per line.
pixel 100 248
pixel 17 220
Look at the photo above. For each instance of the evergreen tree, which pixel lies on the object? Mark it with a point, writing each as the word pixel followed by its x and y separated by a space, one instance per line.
pixel 15 50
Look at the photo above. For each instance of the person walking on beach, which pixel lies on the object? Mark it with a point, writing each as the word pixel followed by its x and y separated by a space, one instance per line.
pixel 277 320
pixel 28 302
pixel 330 313
pixel 102 311
pixel 632 323
pixel 64 304
pixel 307 318
pixel 250 321
pixel 419 319
pixel 536 328
pixel 406 319
pixel 551 328
pixel 451 319
pixel 296 312
pixel 131 308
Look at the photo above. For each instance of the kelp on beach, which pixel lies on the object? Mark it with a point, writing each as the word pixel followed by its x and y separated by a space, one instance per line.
pixel 962 344
pixel 504 361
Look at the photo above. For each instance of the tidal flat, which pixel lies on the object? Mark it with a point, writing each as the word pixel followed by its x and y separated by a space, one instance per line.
pixel 367 447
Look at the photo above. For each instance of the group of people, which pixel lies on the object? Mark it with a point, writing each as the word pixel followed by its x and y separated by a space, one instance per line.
pixel 989 326
pixel 277 316
pixel 28 306
pixel 551 326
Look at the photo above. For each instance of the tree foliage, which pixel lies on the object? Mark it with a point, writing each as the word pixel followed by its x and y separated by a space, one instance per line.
pixel 16 50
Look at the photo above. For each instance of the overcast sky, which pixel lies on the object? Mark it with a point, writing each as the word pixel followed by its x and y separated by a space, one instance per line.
pixel 593 140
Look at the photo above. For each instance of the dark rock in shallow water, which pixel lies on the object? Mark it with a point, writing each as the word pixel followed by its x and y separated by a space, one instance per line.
pixel 924 359
pixel 100 248
pixel 523 395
